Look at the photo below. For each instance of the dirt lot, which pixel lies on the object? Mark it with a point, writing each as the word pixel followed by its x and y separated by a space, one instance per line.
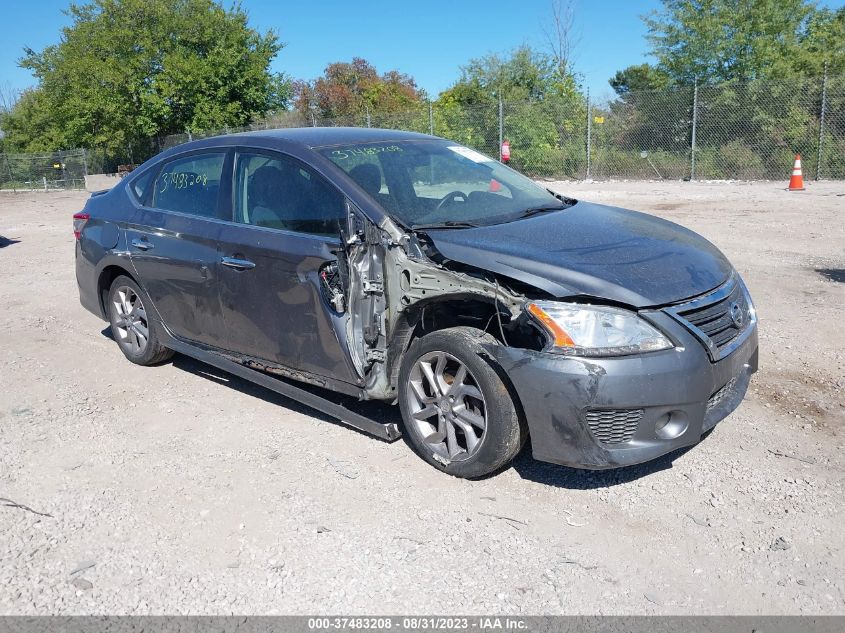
pixel 175 489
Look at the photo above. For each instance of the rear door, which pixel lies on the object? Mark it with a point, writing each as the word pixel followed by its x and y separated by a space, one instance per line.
pixel 173 245
pixel 285 234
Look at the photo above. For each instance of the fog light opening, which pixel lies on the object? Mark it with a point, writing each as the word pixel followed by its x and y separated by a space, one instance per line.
pixel 671 425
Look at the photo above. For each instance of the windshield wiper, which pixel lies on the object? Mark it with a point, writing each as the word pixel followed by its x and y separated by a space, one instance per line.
pixel 448 224
pixel 538 210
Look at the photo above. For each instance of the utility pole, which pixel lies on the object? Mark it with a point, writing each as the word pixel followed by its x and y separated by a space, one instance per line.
pixel 430 118
pixel 694 128
pixel 821 124
pixel 501 125
pixel 9 170
pixel 589 135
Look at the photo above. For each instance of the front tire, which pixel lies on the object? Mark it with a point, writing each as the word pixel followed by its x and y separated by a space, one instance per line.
pixel 133 331
pixel 458 412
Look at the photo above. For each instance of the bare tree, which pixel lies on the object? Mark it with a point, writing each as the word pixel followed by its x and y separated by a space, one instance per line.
pixel 8 97
pixel 560 35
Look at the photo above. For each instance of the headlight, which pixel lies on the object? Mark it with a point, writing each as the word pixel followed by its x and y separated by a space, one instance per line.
pixel 586 330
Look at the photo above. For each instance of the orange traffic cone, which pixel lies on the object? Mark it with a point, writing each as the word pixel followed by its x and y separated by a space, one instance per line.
pixel 796 183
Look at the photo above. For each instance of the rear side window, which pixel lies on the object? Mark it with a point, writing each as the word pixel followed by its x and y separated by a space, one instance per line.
pixel 190 184
pixel 140 187
pixel 279 192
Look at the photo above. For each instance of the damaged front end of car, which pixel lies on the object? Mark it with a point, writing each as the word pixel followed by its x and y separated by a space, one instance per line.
pixel 393 286
pixel 600 401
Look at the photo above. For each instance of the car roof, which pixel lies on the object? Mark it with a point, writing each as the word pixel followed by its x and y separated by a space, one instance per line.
pixel 326 136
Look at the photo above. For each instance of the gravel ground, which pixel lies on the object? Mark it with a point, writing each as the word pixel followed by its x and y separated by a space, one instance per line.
pixel 177 489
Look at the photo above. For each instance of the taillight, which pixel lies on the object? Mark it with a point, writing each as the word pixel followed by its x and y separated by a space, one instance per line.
pixel 79 220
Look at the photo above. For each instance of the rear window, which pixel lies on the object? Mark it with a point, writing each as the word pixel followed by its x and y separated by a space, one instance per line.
pixel 190 184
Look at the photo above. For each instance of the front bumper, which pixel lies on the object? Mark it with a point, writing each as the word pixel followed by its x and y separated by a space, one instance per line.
pixel 627 399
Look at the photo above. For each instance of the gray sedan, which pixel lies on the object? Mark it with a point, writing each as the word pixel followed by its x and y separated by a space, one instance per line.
pixel 410 269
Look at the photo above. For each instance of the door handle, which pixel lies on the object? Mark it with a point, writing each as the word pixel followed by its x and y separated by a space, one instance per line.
pixel 143 245
pixel 237 264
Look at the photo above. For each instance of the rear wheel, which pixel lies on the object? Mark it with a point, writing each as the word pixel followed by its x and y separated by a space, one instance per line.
pixel 134 332
pixel 459 415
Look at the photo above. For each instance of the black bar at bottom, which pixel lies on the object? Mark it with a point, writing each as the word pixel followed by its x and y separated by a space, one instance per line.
pixel 359 623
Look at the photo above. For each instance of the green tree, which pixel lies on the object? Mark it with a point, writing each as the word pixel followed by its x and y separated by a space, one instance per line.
pixel 8 98
pixel 823 42
pixel 30 125
pixel 348 89
pixel 524 74
pixel 128 70
pixel 544 111
pixel 639 77
pixel 757 64
pixel 720 40
pixel 651 114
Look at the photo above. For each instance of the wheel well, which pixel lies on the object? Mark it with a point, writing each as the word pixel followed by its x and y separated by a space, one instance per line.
pixel 107 277
pixel 473 312
pixel 481 314
pixel 476 312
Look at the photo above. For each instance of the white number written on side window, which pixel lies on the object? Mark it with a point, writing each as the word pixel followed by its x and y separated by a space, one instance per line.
pixel 182 180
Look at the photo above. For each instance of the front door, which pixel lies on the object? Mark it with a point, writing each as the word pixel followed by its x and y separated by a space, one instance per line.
pixel 274 307
pixel 174 249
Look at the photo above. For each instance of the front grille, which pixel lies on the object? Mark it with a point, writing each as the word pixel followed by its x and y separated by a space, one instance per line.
pixel 614 426
pixel 712 318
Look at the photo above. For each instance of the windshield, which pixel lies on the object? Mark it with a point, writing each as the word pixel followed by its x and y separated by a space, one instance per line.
pixel 440 183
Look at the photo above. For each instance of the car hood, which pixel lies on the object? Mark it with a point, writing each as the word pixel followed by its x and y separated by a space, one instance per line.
pixel 595 251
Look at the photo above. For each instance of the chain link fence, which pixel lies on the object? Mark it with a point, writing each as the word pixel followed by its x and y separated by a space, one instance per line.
pixel 731 131
pixel 743 131
pixel 43 172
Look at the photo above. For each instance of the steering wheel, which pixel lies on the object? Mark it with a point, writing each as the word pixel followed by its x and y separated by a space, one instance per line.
pixel 449 198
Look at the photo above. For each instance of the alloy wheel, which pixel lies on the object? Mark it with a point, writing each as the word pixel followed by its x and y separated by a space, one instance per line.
pixel 130 320
pixel 446 406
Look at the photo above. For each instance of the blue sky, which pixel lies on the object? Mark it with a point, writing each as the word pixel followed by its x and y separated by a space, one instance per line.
pixel 428 39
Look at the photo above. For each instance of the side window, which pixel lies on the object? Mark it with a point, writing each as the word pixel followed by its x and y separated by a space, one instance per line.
pixel 279 192
pixel 141 185
pixel 190 184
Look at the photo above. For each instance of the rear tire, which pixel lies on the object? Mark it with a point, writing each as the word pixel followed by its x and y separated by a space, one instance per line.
pixel 459 415
pixel 135 334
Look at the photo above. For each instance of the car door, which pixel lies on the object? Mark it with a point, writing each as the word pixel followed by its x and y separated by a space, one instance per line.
pixel 285 232
pixel 173 245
